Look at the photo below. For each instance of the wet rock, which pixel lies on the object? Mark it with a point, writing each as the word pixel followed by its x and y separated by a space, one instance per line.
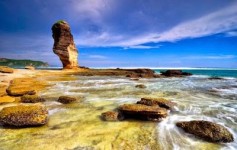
pixel 112 116
pixel 141 86
pixel 143 112
pixel 5 69
pixel 175 73
pixel 24 115
pixel 31 99
pixel 66 99
pixel 30 67
pixel 64 45
pixel 206 130
pixel 6 99
pixel 161 102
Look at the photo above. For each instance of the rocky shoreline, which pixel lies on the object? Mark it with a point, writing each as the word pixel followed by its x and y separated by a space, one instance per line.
pixel 24 91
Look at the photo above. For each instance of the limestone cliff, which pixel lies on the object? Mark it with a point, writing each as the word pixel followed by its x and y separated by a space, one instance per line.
pixel 64 45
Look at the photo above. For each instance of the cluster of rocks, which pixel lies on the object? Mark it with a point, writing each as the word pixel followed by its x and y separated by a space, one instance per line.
pixel 152 109
pixel 155 109
pixel 5 69
pixel 31 112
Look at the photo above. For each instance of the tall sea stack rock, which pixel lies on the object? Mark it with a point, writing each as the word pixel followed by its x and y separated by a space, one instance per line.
pixel 64 45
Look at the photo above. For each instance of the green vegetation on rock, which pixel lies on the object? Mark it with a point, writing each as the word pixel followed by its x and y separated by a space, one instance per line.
pixel 21 63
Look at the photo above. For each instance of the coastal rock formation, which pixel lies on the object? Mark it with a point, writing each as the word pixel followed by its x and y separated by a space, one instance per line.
pixel 66 99
pixel 64 45
pixel 5 69
pixel 112 116
pixel 175 73
pixel 31 99
pixel 161 102
pixel 24 115
pixel 206 130
pixel 143 112
pixel 3 90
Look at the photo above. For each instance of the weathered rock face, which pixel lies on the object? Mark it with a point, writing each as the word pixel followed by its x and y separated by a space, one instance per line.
pixel 24 115
pixel 207 130
pixel 161 102
pixel 64 45
pixel 143 112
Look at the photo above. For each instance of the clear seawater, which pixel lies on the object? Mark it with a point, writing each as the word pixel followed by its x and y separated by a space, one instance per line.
pixel 78 126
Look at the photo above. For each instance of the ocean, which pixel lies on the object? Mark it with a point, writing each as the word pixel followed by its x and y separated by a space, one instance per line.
pixel 79 126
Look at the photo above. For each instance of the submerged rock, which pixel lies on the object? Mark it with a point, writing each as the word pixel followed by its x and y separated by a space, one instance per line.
pixel 5 69
pixel 175 73
pixel 161 102
pixel 138 111
pixel 24 115
pixel 141 86
pixel 31 99
pixel 206 130
pixel 64 45
pixel 66 99
pixel 112 116
pixel 216 78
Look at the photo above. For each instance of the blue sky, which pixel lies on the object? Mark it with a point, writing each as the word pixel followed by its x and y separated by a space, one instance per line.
pixel 124 33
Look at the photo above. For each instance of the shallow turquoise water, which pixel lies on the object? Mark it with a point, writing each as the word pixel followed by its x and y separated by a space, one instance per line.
pixel 209 72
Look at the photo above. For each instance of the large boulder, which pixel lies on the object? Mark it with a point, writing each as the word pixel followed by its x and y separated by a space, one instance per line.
pixel 206 130
pixel 161 102
pixel 64 45
pixel 24 115
pixel 143 112
pixel 5 69
pixel 175 73
pixel 112 116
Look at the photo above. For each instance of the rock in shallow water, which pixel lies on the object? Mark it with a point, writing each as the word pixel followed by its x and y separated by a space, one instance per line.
pixel 206 130
pixel 66 99
pixel 141 86
pixel 112 116
pixel 161 102
pixel 175 73
pixel 143 112
pixel 24 115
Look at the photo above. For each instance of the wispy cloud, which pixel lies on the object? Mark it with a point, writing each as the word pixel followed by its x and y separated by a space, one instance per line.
pixel 98 57
pixel 219 21
pixel 211 57
pixel 231 33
